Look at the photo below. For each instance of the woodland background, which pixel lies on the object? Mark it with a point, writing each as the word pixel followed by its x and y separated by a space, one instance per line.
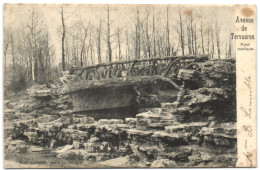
pixel 40 41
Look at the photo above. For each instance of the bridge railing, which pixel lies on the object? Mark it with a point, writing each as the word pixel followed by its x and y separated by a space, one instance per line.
pixel 164 66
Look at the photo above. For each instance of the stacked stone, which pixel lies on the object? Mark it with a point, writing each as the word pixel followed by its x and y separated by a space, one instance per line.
pixel 189 132
pixel 215 88
pixel 99 140
pixel 181 128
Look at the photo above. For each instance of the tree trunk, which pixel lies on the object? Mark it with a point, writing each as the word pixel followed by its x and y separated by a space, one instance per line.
pixel 189 40
pixel 108 38
pixel 217 37
pixel 195 40
pixel 192 34
pixel 127 56
pixel 99 43
pixel 168 50
pixel 202 43
pixel 137 37
pixel 147 36
pixel 63 40
pixel 83 46
pixel 119 46
pixel 181 32
pixel 154 42
pixel 208 38
pixel 212 43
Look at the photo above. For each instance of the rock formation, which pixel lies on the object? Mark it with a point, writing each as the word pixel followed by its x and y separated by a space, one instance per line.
pixel 196 130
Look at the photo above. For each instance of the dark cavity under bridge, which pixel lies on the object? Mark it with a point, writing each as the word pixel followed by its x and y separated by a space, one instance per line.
pixel 119 89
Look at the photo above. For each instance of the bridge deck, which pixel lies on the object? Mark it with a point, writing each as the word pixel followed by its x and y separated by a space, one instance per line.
pixel 115 82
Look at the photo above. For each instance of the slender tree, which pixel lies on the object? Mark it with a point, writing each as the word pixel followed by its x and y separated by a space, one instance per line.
pixel 6 45
pixel 195 40
pixel 83 41
pixel 201 34
pixel 192 33
pixel 168 48
pixel 63 39
pixel 181 32
pixel 13 50
pixel 208 34
pixel 189 40
pixel 217 39
pixel 148 35
pixel 212 43
pixel 137 35
pixel 127 46
pixel 119 45
pixel 109 49
pixel 154 37
pixel 99 42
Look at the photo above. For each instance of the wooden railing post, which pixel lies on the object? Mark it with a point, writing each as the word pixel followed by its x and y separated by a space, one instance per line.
pixel 131 68
pixel 152 68
pixel 110 68
pixel 168 67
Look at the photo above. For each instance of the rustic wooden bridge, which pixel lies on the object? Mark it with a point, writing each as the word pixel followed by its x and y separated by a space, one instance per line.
pixel 163 66
pixel 119 86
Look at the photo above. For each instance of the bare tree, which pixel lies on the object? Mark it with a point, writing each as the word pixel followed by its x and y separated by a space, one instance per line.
pixel 119 45
pixel 159 45
pixel 208 34
pixel 109 49
pixel 67 51
pixel 83 41
pixel 192 33
pixel 127 46
pixel 137 35
pixel 168 48
pixel 181 31
pixel 195 40
pixel 148 35
pixel 12 51
pixel 91 49
pixel 38 48
pixel 6 45
pixel 64 32
pixel 212 43
pixel 154 35
pixel 99 42
pixel 201 33
pixel 34 26
pixel 217 38
pixel 189 40
pixel 63 39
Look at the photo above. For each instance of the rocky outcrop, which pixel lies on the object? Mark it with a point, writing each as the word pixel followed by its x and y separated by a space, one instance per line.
pixel 197 130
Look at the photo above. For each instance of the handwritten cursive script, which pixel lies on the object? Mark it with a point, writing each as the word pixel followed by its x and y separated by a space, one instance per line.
pixel 248 113
pixel 249 156
pixel 248 129
pixel 247 82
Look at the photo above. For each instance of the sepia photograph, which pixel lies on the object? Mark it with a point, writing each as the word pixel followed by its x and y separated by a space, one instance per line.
pixel 128 86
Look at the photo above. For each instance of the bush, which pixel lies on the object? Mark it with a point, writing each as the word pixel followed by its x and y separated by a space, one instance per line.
pixel 16 80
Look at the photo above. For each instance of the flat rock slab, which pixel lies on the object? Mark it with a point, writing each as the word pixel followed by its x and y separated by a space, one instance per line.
pixel 116 82
pixel 139 132
pixel 117 162
pixel 9 111
pixel 111 121
pixel 181 127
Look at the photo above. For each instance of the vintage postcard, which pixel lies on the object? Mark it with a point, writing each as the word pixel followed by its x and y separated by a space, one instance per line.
pixel 129 86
